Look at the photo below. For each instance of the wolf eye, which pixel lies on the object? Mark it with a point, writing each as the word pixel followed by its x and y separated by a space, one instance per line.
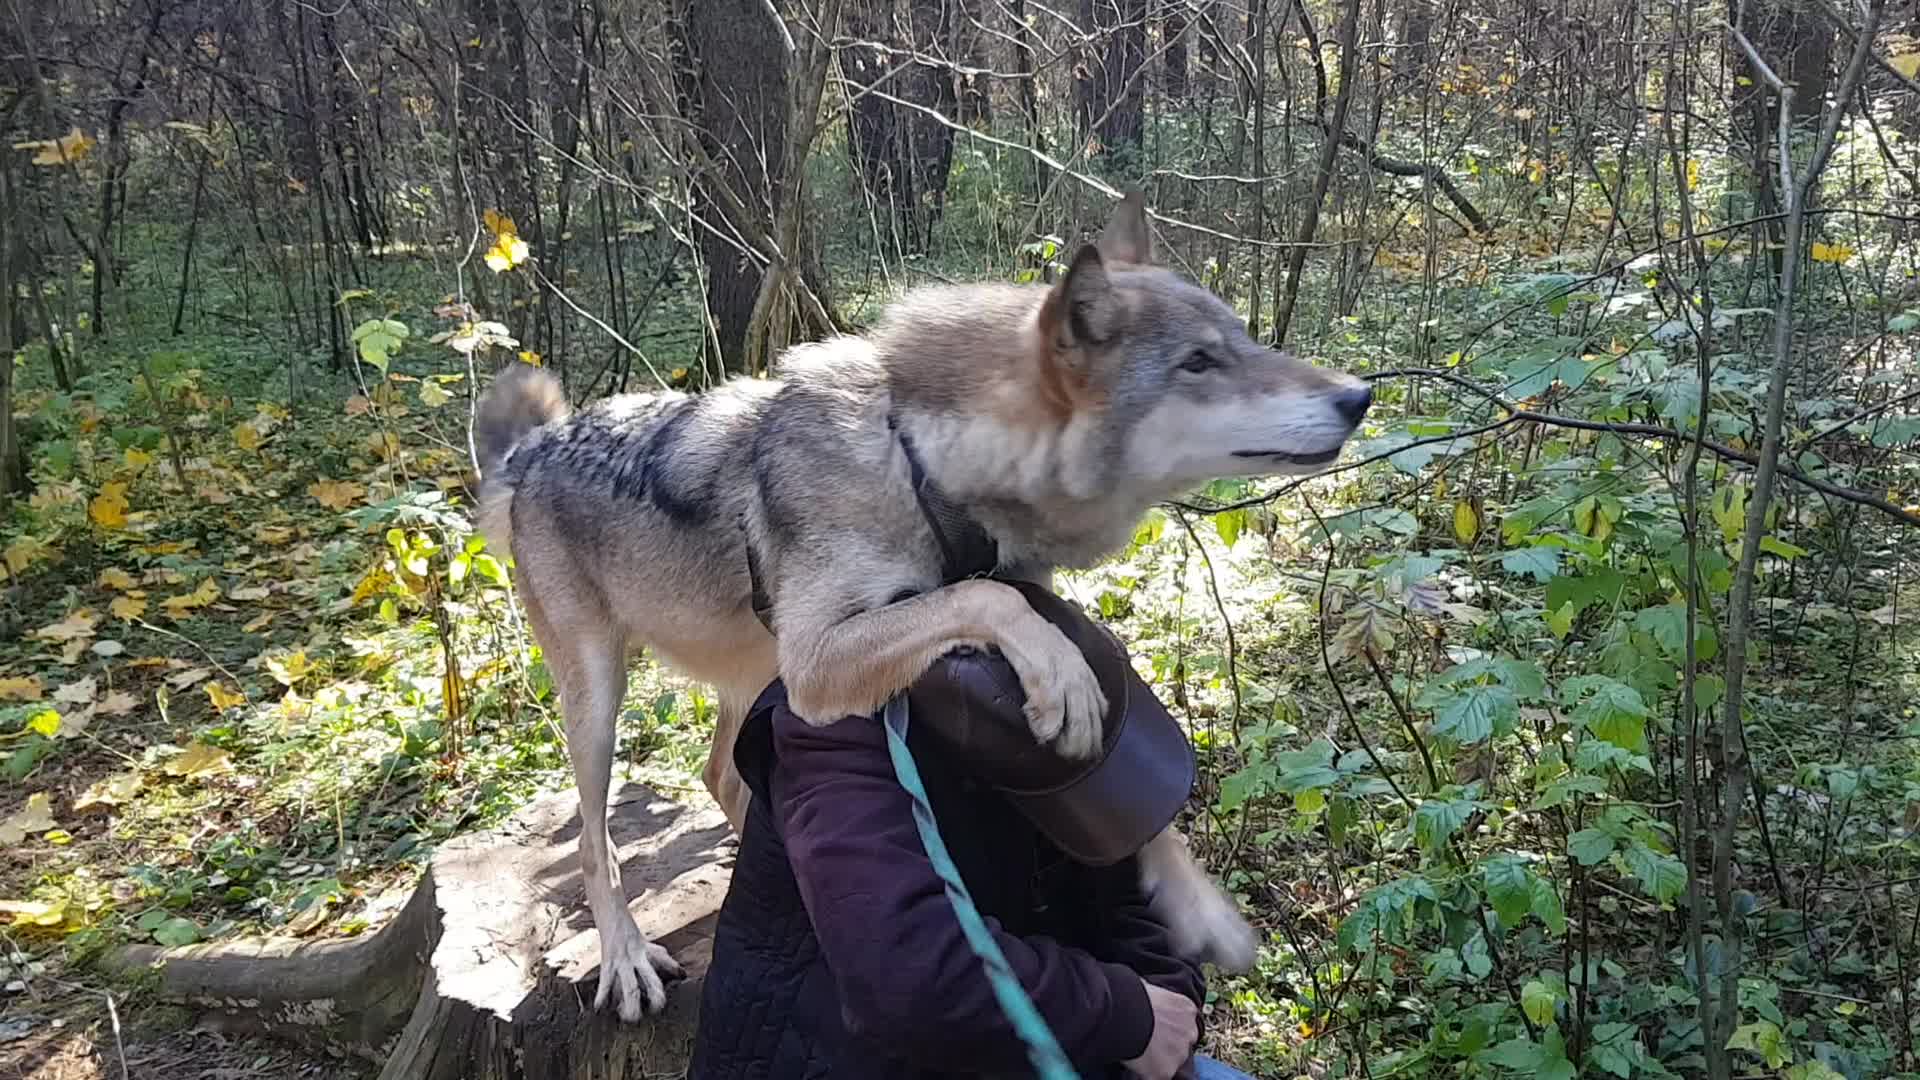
pixel 1199 360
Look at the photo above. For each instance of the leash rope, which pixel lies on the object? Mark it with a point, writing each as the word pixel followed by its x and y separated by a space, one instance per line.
pixel 1043 1050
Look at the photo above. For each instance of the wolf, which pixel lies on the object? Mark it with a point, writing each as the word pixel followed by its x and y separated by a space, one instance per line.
pixel 798 526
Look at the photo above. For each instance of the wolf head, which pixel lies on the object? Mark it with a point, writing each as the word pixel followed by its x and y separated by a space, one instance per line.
pixel 1200 398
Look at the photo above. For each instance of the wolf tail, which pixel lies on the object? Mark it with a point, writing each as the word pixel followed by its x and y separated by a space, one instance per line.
pixel 521 399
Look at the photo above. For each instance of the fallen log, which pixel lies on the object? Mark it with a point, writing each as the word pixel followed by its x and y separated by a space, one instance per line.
pixel 488 970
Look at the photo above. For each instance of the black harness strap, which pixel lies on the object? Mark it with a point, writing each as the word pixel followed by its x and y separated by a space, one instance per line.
pixel 966 549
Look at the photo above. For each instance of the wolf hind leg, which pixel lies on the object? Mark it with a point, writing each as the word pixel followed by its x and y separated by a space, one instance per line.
pixel 722 777
pixel 588 663
pixel 1200 917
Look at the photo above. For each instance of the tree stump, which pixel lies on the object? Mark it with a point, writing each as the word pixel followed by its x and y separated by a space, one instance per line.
pixel 489 970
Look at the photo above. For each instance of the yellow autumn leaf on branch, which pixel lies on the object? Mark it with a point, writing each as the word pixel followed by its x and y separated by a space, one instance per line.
pixel 1831 253
pixel 506 253
pixel 67 149
pixel 109 508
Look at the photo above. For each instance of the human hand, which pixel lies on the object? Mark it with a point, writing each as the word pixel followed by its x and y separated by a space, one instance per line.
pixel 1176 1028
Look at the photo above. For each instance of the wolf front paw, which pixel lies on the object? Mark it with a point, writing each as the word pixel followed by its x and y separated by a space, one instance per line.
pixel 1065 706
pixel 639 968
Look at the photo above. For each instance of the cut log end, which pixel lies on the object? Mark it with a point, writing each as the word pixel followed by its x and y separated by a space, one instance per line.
pixel 489 970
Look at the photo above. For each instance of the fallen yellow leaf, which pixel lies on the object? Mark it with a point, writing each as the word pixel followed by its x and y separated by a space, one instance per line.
pixel 246 436
pixel 109 508
pixel 1907 64
pixel 207 593
pixel 255 624
pixel 112 791
pixel 250 592
pixel 223 698
pixel 336 494
pixel 115 578
pixel 199 759
pixel 21 688
pixel 35 817
pixel 128 608
pixel 34 912
pixel 72 628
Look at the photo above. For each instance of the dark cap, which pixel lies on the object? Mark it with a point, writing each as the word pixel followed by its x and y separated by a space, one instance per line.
pixel 1097 811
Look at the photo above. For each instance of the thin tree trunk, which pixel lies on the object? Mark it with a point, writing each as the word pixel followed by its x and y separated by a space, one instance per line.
pixel 1323 178
pixel 1799 193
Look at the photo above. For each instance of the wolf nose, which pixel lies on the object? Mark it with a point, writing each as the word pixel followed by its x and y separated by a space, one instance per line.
pixel 1352 402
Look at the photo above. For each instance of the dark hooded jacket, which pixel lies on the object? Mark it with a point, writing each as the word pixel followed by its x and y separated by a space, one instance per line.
pixel 837 954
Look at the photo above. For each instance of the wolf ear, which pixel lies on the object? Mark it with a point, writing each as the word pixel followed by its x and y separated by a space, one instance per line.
pixel 1126 238
pixel 1083 309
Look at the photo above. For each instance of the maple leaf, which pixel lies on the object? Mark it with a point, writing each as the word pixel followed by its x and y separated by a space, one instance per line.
pixel 137 459
pixel 498 223
pixel 433 395
pixel 246 436
pixel 78 692
pixel 35 817
pixel 199 759
pixel 74 627
pixel 118 703
pixel 223 698
pixel 112 791
pixel 205 594
pixel 506 253
pixel 21 688
pixel 129 607
pixel 115 578
pixel 1831 253
pixel 109 508
pixel 336 494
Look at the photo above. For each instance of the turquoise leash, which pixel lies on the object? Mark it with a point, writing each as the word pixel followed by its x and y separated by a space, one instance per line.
pixel 1042 1048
